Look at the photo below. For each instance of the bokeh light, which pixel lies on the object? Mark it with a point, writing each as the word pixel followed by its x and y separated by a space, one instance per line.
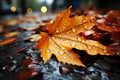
pixel 29 10
pixel 44 9
pixel 13 9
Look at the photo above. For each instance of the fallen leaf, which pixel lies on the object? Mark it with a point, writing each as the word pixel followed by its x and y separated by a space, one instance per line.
pixel 1 27
pixel 115 46
pixel 26 74
pixel 11 22
pixel 64 34
pixel 7 41
pixel 11 34
pixel 111 23
pixel 29 26
pixel 34 37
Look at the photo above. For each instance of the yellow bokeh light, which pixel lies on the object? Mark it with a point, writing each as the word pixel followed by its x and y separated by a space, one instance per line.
pixel 29 10
pixel 13 9
pixel 44 9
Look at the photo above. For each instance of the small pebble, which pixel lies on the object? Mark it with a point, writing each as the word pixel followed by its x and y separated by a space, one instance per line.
pixel 65 69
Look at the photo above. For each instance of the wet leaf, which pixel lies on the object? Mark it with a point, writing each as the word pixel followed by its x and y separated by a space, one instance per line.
pixel 64 34
pixel 7 41
pixel 111 23
pixel 34 37
pixel 29 26
pixel 24 75
pixel 11 34
pixel 115 46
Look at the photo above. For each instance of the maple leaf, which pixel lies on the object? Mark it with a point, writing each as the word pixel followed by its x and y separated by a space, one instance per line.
pixel 64 34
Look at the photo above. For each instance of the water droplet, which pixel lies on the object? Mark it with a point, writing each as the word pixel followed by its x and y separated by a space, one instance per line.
pixel 83 41
pixel 84 21
pixel 95 52
pixel 4 68
pixel 64 27
pixel 78 38
pixel 48 51
pixel 63 48
pixel 118 53
pixel 57 31
pixel 66 41
pixel 89 32
pixel 67 32
pixel 89 47
pixel 51 22
pixel 14 61
pixel 34 73
pixel 115 44
pixel 61 40
pixel 73 44
pixel 60 35
pixel 53 37
pixel 73 30
pixel 61 52
pixel 68 62
pixel 96 45
pixel 86 27
pixel 104 51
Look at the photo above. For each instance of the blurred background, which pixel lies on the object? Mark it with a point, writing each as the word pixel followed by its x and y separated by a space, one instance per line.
pixel 18 7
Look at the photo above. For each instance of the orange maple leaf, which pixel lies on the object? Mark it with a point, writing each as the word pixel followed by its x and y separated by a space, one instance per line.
pixel 64 35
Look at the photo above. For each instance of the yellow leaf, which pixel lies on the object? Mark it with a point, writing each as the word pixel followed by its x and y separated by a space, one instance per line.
pixel 11 34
